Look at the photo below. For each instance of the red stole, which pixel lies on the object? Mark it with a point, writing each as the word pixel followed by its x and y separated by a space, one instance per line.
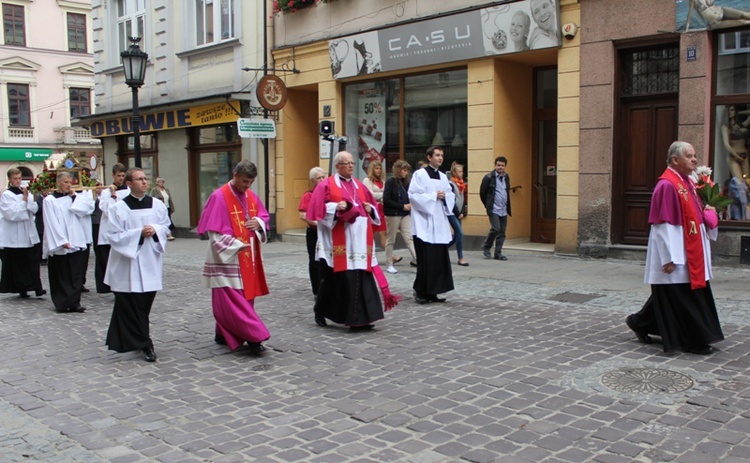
pixel 691 230
pixel 340 261
pixel 251 263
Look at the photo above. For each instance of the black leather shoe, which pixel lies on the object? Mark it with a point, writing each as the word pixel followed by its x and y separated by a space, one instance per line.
pixel 23 295
pixel 700 350
pixel 40 292
pixel 500 257
pixel 640 334
pixel 77 309
pixel 256 348
pixel 85 290
pixel 434 298
pixel 487 254
pixel 320 320
pixel 421 300
pixel 412 263
pixel 362 328
pixel 150 354
pixel 219 339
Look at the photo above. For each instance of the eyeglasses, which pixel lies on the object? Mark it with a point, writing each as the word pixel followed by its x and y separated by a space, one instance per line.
pixel 346 163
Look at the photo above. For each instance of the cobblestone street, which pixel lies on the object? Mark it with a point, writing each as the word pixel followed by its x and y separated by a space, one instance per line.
pixel 528 361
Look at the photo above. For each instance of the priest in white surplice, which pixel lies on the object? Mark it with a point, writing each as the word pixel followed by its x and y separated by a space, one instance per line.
pixel 19 239
pixel 137 230
pixel 67 229
pixel 432 201
pixel 107 200
pixel 344 210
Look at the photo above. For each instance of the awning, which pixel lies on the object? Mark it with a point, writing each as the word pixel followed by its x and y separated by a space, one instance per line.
pixel 24 154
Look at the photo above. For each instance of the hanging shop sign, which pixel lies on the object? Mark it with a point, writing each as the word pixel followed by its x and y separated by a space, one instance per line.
pixel 507 28
pixel 256 128
pixel 217 113
pixel 24 154
pixel 272 93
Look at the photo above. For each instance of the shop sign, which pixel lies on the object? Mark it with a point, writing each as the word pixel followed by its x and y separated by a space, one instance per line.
pixel 213 114
pixel 506 28
pixel 697 15
pixel 256 128
pixel 272 93
pixel 24 154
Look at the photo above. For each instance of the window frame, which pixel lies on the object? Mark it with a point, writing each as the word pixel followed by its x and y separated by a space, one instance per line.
pixel 77 103
pixel 133 13
pixel 75 44
pixel 19 101
pixel 14 9
pixel 217 23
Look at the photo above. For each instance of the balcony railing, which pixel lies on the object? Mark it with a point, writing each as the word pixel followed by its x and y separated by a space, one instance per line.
pixel 20 132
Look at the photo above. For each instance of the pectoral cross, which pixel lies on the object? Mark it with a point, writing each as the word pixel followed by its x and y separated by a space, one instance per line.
pixel 239 215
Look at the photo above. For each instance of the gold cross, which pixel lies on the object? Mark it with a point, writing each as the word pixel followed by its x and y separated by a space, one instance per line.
pixel 238 216
pixel 253 210
pixel 683 191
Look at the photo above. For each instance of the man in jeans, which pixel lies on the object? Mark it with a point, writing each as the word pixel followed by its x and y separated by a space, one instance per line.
pixel 495 194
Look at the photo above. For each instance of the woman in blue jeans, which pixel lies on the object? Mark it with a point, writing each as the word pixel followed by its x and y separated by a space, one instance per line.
pixel 459 210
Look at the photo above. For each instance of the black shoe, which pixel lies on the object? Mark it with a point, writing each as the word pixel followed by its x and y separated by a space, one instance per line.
pixel 77 309
pixel 85 290
pixel 40 292
pixel 500 257
pixel 23 295
pixel 434 298
pixel 361 328
pixel 62 310
pixel 700 350
pixel 421 300
pixel 150 354
pixel 487 254
pixel 219 339
pixel 320 320
pixel 640 334
pixel 412 263
pixel 256 348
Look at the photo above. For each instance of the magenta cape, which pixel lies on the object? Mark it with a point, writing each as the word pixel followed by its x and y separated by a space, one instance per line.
pixel 665 203
pixel 316 209
pixel 215 216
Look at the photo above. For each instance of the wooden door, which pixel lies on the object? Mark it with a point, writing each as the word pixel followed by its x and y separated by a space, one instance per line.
pixel 647 128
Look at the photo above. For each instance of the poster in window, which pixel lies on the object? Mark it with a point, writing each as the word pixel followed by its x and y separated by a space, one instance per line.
pixel 371 126
pixel 731 167
pixel 692 15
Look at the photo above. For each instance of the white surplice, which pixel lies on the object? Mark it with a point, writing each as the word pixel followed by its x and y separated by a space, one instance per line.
pixel 107 201
pixel 136 267
pixel 67 222
pixel 17 227
pixel 429 215
pixel 666 243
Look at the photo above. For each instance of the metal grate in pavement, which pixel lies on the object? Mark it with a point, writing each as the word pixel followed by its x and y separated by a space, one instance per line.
pixel 646 381
pixel 575 298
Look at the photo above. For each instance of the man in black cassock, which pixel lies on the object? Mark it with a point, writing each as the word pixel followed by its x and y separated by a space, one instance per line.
pixel 137 231
pixel 107 200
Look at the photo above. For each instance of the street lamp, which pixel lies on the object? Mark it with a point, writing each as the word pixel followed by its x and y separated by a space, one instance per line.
pixel 134 64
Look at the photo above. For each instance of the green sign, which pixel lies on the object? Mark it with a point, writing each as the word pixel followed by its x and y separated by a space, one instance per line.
pixel 256 128
pixel 24 154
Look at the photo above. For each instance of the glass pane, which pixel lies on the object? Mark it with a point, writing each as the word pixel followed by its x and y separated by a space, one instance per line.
pixel 546 89
pixel 217 134
pixel 199 22
pixel 649 72
pixel 214 170
pixel 435 113
pixel 733 63
pixel 731 166
pixel 227 19
pixel 546 176
pixel 370 108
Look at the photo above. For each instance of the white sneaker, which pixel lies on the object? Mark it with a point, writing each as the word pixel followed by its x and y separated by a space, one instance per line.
pixel 391 269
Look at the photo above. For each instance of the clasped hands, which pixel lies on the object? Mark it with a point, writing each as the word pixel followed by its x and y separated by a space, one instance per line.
pixel 343 205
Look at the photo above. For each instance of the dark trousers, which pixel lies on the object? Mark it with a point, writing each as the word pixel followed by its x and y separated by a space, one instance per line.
pixel 100 267
pixel 313 265
pixel 66 274
pixel 497 233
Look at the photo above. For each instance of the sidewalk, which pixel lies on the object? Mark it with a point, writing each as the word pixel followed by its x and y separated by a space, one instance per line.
pixel 529 361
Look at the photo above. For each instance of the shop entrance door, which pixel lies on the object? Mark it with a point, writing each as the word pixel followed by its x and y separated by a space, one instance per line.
pixel 544 163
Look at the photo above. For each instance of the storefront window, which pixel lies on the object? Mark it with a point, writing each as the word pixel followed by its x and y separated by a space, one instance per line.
pixel 731 161
pixel 434 113
pixel 214 152
pixel 149 152
pixel 214 170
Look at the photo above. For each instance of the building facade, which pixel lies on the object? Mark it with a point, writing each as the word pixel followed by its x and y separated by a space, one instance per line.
pixel 205 58
pixel 482 80
pixel 653 72
pixel 46 81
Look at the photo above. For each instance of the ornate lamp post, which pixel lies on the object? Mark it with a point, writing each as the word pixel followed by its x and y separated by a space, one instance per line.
pixel 134 64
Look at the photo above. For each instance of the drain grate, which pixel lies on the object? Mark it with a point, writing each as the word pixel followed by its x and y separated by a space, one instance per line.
pixel 575 298
pixel 646 381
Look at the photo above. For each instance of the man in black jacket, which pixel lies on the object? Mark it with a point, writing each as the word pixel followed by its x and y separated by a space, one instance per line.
pixel 495 194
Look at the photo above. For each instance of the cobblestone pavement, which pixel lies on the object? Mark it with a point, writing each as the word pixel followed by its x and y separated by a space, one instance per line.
pixel 529 361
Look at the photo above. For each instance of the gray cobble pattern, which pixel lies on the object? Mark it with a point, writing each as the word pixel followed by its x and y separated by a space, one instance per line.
pixel 500 373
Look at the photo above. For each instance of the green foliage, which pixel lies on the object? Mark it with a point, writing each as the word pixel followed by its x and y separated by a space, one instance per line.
pixel 711 196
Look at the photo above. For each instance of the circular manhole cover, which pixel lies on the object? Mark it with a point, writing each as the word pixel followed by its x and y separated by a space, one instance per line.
pixel 646 381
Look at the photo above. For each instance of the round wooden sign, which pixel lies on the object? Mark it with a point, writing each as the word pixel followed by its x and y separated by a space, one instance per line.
pixel 272 92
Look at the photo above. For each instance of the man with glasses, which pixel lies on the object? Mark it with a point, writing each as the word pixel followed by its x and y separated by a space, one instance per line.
pixel 137 232
pixel 344 210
